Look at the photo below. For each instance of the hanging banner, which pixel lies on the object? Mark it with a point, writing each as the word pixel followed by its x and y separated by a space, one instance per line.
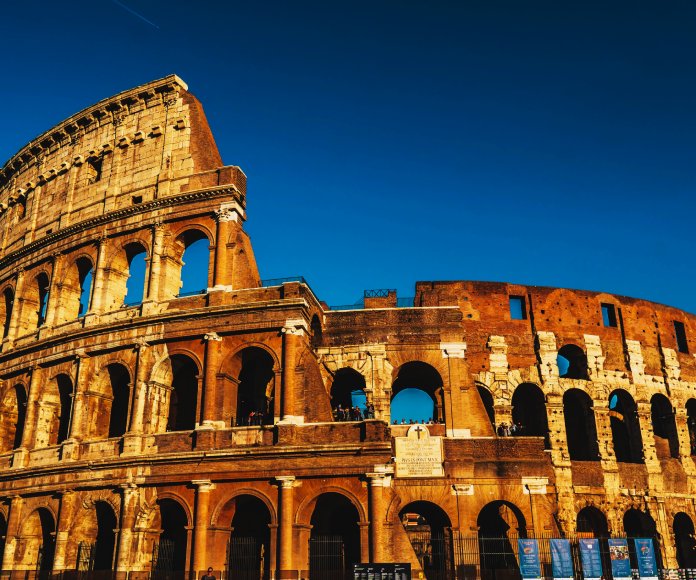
pixel 591 558
pixel 645 554
pixel 620 561
pixel 561 560
pixel 530 567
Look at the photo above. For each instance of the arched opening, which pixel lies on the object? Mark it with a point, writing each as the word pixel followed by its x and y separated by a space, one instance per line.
pixel 106 537
pixel 572 362
pixel 65 394
pixel 195 260
pixel 136 257
pixel 428 527
pixel 638 524
pixel 334 544
pixel 84 272
pixel 684 539
pixel 487 399
pixel 12 414
pixel 691 423
pixel 250 540
pixel 529 412
pixel 120 393
pixel 592 521
pixel 38 538
pixel 42 289
pixel 348 395
pixel 625 429
pixel 21 398
pixel 419 376
pixel 8 295
pixel 500 524
pixel 317 332
pixel 171 551
pixel 183 400
pixel 581 429
pixel 664 427
pixel 255 391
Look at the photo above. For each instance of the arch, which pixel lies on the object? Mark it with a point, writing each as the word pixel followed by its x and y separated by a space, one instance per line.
pixel 65 393
pixel 639 524
pixel 43 284
pixel 104 547
pixel 317 332
pixel 194 248
pixel 499 524
pixel 572 362
pixel 426 525
pixel 625 429
pixel 591 520
pixel 423 377
pixel 13 409
pixel 347 392
pixel 172 553
pixel 334 544
pixel 33 303
pixel 85 273
pixel 8 302
pixel 136 262
pixel 250 537
pixel 255 387
pixel 691 423
pixel 119 380
pixel 488 403
pixel 684 541
pixel 304 512
pixel 664 426
pixel 224 511
pixel 529 411
pixel 183 401
pixel 38 533
pixel 581 428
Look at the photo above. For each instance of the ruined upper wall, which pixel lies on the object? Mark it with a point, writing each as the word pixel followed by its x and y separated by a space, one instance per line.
pixel 150 142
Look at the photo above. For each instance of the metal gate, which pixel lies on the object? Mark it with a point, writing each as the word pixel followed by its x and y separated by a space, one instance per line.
pixel 245 558
pixel 163 561
pixel 433 552
pixel 327 559
pixel 85 557
pixel 44 560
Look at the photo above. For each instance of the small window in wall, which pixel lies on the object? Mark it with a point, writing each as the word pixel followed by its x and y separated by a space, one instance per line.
pixel 680 333
pixel 517 308
pixel 94 169
pixel 609 314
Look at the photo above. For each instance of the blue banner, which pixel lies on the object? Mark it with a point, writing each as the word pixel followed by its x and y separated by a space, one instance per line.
pixel 591 558
pixel 620 561
pixel 529 558
pixel 561 560
pixel 645 554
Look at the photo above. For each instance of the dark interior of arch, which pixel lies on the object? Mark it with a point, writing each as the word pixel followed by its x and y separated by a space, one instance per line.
pixel 251 536
pixel 317 332
pixel 106 537
pixel 625 429
pixel 194 278
pixel 576 362
pixel 3 533
pixel 638 524
pixel 691 422
pixel 432 517
pixel 184 394
pixel 120 389
pixel 496 522
pixel 252 393
pixel 48 528
pixel 591 520
pixel 334 517
pixel 65 390
pixel 84 271
pixel 684 540
pixel 581 429
pixel 420 375
pixel 345 382
pixel 427 536
pixel 529 410
pixel 664 425
pixel 136 256
pixel 8 296
pixel 42 287
pixel 171 553
pixel 21 398
pixel 487 399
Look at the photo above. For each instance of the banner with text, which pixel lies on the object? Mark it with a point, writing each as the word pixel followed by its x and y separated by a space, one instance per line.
pixel 591 558
pixel 561 560
pixel 530 567
pixel 620 561
pixel 645 554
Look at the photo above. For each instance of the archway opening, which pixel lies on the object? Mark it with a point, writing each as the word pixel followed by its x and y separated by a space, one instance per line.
pixel 334 544
pixel 581 429
pixel 106 536
pixel 347 393
pixel 171 552
pixel 664 427
pixel 47 547
pixel 8 296
pixel 65 395
pixel 42 288
pixel 84 273
pixel 591 521
pixel 500 524
pixel 427 527
pixel 12 413
pixel 136 256
pixel 194 262
pixel 419 376
pixel 487 400
pixel 638 524
pixel 529 412
pixel 255 392
pixel 317 332
pixel 691 423
pixel 625 429
pixel 684 539
pixel 250 540
pixel 572 362
pixel 21 398
pixel 183 400
pixel 120 392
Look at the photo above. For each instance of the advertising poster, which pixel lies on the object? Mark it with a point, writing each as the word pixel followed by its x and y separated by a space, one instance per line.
pixel 530 566
pixel 591 558
pixel 645 554
pixel 561 560
pixel 620 561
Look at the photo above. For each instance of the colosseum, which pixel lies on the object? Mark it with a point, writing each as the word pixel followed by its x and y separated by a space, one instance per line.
pixel 146 429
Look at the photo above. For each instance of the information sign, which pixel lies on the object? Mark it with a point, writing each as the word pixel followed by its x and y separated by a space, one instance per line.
pixel 620 561
pixel 591 558
pixel 381 571
pixel 530 567
pixel 561 560
pixel 645 554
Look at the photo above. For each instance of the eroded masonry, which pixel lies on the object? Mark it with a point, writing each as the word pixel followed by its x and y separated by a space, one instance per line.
pixel 149 429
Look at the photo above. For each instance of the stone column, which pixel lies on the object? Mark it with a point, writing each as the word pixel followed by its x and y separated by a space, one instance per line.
pixel 67 503
pixel 223 218
pixel 285 553
pixel 155 262
pixel 377 483
pixel 293 331
pixel 652 463
pixel 129 495
pixel 200 526
pixel 139 395
pixel 13 520
pixel 456 399
pixel 98 282
pixel 17 306
pixel 213 344
pixel 32 404
pixel 53 292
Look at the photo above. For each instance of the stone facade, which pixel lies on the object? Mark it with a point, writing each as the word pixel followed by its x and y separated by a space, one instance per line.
pixel 124 427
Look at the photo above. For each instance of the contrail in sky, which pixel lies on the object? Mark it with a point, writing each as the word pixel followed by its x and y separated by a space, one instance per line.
pixel 134 13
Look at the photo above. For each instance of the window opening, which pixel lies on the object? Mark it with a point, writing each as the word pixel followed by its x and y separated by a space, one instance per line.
pixel 517 308
pixel 680 333
pixel 609 315
pixel 94 166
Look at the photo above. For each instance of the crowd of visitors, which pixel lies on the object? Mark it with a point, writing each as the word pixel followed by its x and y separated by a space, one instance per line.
pixel 355 413
pixel 511 430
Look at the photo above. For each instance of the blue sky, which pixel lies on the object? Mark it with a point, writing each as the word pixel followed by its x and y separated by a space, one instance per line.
pixel 386 142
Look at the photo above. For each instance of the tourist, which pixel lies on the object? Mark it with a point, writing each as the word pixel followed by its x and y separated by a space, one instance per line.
pixel 208 575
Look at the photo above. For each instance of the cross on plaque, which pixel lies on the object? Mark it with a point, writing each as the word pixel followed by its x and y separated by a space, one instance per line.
pixel 418 430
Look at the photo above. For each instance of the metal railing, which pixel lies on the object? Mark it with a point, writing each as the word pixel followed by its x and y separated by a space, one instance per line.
pixel 192 293
pixel 279 281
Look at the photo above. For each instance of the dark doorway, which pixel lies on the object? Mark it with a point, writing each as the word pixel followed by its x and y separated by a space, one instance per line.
pixel 106 537
pixel 691 422
pixel 500 524
pixel 572 362
pixel 638 524
pixel 250 540
pixel 423 377
pixel 625 429
pixel 529 412
pixel 429 530
pixel 184 395
pixel 256 389
pixel 65 394
pixel 590 520
pixel 120 391
pixel 664 427
pixel 47 548
pixel 487 399
pixel 684 540
pixel 581 429
pixel 170 553
pixel 347 392
pixel 21 396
